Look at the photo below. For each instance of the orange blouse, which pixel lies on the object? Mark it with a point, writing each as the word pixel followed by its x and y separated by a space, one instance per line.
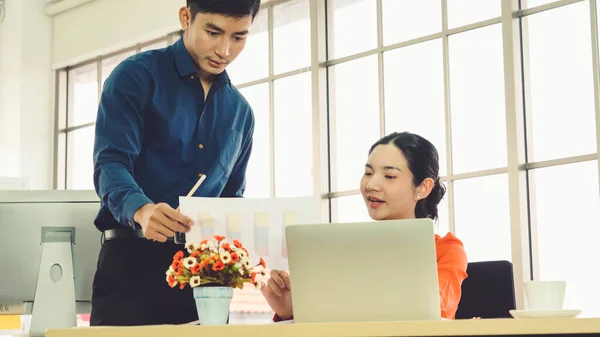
pixel 452 270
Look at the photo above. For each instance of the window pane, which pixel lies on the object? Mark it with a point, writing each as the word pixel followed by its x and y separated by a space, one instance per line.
pixel 293 137
pixel 253 63
pixel 406 20
pixel 258 174
pixel 477 100
pixel 562 86
pixel 443 222
pixel 80 163
pixel 351 208
pixel 85 95
pixel 534 3
pixel 291 36
pixel 483 224
pixel 356 95
pixel 109 64
pixel 567 229
pixel 414 93
pixel 157 45
pixel 464 12
pixel 61 161
pixel 349 36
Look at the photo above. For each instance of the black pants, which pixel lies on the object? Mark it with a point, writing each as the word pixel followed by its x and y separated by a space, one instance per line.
pixel 130 286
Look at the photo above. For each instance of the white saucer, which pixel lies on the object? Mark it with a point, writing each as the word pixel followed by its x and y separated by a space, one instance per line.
pixel 544 313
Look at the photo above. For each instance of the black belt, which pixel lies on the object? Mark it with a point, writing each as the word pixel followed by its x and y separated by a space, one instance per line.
pixel 125 233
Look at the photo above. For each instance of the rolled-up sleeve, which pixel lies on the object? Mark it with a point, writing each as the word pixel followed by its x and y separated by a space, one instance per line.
pixel 118 141
pixel 452 266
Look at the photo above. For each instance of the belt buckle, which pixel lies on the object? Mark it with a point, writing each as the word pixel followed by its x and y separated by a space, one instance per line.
pixel 179 238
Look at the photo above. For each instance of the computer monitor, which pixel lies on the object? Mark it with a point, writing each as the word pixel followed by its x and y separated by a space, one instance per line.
pixel 48 252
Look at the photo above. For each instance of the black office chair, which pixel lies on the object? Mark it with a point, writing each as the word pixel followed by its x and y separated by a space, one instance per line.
pixel 488 291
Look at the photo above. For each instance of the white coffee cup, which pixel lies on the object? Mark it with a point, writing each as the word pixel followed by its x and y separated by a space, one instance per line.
pixel 545 295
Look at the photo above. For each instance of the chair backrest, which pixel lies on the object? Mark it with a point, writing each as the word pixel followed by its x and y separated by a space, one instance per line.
pixel 488 291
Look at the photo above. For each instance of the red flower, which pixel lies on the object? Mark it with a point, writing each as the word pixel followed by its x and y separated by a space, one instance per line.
pixel 237 244
pixel 226 247
pixel 263 263
pixel 219 238
pixel 218 266
pixel 178 256
pixel 234 257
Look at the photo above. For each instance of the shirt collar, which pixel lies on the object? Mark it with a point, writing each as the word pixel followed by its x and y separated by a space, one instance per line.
pixel 187 67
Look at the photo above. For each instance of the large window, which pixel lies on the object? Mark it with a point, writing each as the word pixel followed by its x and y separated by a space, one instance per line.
pixel 79 94
pixel 514 116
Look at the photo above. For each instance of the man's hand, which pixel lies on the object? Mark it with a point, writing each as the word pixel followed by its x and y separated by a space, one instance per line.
pixel 278 294
pixel 161 221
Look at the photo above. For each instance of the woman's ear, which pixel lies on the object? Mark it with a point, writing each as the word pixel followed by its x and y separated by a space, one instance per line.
pixel 424 189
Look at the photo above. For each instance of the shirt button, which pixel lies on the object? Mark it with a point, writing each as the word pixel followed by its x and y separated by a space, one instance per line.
pixel 200 174
pixel 201 146
pixel 193 76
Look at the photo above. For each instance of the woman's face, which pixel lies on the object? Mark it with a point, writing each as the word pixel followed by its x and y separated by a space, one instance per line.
pixel 387 185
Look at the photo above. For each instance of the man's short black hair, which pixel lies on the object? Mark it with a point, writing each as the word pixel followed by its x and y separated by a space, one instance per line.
pixel 231 8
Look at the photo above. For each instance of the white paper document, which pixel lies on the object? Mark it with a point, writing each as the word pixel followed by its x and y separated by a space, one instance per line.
pixel 259 224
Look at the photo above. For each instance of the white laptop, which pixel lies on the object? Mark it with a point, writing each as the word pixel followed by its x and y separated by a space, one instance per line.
pixel 369 271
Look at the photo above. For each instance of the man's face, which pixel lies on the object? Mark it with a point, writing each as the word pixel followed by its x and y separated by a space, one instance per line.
pixel 214 40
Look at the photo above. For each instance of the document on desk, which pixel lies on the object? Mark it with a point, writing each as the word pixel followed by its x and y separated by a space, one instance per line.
pixel 259 224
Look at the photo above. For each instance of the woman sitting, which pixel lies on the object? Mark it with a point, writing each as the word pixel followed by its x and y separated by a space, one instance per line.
pixel 400 182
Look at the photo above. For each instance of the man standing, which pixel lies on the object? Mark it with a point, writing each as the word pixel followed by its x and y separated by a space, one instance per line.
pixel 166 117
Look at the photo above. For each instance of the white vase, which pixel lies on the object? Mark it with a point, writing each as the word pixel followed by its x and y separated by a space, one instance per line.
pixel 212 304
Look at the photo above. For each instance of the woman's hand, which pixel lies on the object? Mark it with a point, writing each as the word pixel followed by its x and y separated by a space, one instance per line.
pixel 278 294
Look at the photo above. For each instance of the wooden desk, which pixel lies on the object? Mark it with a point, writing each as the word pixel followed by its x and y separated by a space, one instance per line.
pixel 498 327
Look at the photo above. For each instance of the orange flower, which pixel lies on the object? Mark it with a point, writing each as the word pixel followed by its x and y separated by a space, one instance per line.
pixel 237 244
pixel 181 285
pixel 218 266
pixel 226 247
pixel 178 256
pixel 171 281
pixel 176 264
pixel 263 263
pixel 203 242
pixel 253 277
pixel 195 254
pixel 219 238
pixel 196 268
pixel 234 257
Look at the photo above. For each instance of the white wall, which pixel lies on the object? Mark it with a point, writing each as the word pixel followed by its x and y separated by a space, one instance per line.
pixel 26 94
pixel 103 26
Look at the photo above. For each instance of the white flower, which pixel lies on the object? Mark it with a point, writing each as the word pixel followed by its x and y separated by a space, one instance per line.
pixel 170 271
pixel 190 246
pixel 242 254
pixel 204 247
pixel 225 256
pixel 210 244
pixel 240 268
pixel 194 281
pixel 189 262
pixel 246 263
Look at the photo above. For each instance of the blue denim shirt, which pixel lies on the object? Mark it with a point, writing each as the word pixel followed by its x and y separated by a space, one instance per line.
pixel 155 134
